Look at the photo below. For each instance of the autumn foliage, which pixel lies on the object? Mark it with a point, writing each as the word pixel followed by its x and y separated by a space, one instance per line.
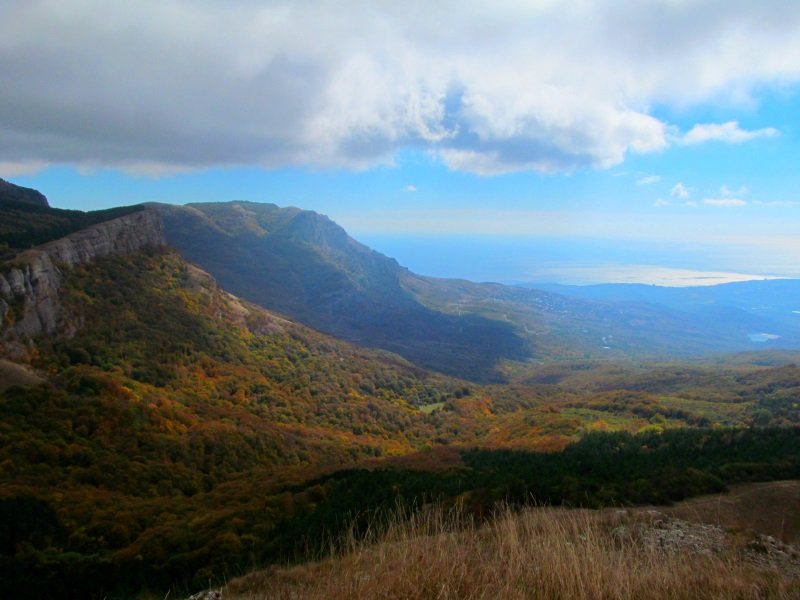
pixel 183 436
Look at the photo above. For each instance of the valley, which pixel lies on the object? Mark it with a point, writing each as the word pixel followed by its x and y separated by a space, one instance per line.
pixel 313 300
pixel 189 392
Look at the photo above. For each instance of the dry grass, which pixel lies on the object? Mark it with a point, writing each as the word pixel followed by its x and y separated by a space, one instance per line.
pixel 539 553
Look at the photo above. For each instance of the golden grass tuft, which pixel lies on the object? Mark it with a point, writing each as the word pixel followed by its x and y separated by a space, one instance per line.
pixel 541 553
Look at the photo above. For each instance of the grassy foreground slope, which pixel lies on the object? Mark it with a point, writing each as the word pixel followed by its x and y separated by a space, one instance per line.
pixel 539 553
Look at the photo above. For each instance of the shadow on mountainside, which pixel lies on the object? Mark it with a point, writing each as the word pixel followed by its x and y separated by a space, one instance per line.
pixel 305 266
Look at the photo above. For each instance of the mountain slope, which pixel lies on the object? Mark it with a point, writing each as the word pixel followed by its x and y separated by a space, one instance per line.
pixel 303 265
pixel 15 194
pixel 168 399
pixel 30 281
pixel 174 333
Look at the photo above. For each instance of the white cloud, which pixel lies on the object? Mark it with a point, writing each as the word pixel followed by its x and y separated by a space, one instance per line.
pixel 780 203
pixel 679 191
pixel 733 193
pixel 410 188
pixel 648 179
pixel 729 132
pixel 659 203
pixel 501 86
pixel 724 202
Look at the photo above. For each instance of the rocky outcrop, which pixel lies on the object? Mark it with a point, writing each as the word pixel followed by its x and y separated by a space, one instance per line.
pixel 116 237
pixel 656 531
pixel 660 532
pixel 767 552
pixel 206 595
pixel 29 287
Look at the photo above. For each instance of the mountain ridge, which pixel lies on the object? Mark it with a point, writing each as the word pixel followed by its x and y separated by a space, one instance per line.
pixel 304 265
pixel 16 194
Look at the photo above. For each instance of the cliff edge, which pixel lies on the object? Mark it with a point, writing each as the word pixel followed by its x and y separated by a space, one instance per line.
pixel 30 305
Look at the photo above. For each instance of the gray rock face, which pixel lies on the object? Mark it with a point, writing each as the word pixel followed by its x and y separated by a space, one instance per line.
pixel 116 237
pixel 30 305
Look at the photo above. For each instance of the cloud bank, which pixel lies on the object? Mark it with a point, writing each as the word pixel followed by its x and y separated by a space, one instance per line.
pixel 156 86
pixel 725 132
pixel 724 202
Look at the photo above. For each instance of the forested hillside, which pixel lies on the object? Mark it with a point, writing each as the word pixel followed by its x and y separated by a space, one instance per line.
pixel 171 389
pixel 183 434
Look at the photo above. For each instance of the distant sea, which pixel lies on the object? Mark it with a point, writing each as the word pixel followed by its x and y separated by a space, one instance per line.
pixel 582 261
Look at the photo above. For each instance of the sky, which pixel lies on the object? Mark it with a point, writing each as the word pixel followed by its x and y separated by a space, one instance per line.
pixel 548 140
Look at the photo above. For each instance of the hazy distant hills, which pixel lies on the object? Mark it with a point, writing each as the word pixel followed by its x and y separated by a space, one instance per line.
pixel 773 295
pixel 303 265
pixel 765 308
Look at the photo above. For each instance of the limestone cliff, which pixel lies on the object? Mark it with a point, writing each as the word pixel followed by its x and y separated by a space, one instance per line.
pixel 29 284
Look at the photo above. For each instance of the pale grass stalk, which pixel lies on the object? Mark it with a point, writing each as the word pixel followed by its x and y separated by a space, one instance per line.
pixel 539 553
